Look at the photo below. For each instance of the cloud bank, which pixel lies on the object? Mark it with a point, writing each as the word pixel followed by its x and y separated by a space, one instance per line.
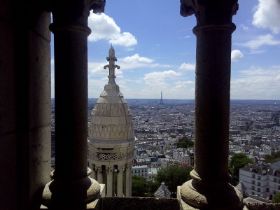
pixel 104 27
pixel 260 41
pixel 267 15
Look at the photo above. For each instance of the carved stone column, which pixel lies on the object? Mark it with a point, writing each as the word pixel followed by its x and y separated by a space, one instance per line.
pixel 94 173
pixel 120 182
pixel 99 175
pixel 209 187
pixel 109 183
pixel 128 184
pixel 71 186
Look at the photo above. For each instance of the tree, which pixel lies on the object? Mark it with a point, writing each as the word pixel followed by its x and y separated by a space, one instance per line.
pixel 238 161
pixel 184 142
pixel 275 156
pixel 138 186
pixel 276 198
pixel 173 176
pixel 143 188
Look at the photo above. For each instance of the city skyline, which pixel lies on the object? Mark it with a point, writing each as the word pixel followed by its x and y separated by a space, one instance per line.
pixel 155 48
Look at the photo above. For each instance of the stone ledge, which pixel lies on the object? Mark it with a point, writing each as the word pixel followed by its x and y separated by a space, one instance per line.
pixel 138 203
pixel 253 204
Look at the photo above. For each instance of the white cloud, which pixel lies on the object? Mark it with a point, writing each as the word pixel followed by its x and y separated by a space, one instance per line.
pixel 136 61
pixel 159 77
pixel 104 27
pixel 184 84
pixel 236 55
pixel 173 83
pixel 169 82
pixel 95 86
pixel 124 39
pixel 127 63
pixel 96 70
pixel 257 83
pixel 187 67
pixel 267 15
pixel 260 41
pixel 96 67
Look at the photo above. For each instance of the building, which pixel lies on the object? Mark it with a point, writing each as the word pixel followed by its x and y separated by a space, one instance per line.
pixel 141 170
pixel 25 109
pixel 260 180
pixel 111 137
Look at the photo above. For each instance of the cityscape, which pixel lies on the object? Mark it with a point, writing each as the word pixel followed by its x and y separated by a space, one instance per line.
pixel 160 124
pixel 147 105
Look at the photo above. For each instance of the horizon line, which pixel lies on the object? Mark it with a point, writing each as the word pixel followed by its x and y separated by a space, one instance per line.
pixel 188 99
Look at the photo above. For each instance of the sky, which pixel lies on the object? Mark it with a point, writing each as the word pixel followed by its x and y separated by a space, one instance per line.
pixel 155 48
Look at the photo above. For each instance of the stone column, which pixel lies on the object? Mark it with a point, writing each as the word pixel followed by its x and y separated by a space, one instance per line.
pixel 120 182
pixel 128 181
pixel 71 187
pixel 99 175
pixel 24 103
pixel 109 183
pixel 209 187
pixel 94 173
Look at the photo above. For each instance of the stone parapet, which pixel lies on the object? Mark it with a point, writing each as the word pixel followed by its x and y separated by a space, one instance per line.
pixel 253 204
pixel 149 203
pixel 138 203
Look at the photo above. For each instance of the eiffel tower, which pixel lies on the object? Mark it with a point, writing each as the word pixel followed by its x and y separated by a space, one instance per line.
pixel 161 100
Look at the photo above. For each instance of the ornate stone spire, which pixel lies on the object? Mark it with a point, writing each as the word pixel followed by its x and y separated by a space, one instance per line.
pixel 112 66
pixel 111 137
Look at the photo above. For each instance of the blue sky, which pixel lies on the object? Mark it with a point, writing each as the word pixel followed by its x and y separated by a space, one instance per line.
pixel 155 47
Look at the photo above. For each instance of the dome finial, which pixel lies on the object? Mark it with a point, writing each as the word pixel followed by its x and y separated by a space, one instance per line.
pixel 112 66
pixel 112 52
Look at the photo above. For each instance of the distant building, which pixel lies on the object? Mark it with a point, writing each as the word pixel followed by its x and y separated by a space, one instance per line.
pixel 261 180
pixel 140 171
pixel 111 137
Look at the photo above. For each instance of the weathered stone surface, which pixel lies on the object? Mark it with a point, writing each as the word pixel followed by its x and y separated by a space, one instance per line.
pixel 24 104
pixel 252 204
pixel 138 203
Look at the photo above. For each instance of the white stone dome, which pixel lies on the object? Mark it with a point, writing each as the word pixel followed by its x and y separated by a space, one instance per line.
pixel 111 118
pixel 111 134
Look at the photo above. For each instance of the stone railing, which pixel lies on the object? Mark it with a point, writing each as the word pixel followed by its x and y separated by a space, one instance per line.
pixel 140 203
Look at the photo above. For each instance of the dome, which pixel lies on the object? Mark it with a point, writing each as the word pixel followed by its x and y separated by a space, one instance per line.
pixel 111 137
pixel 111 119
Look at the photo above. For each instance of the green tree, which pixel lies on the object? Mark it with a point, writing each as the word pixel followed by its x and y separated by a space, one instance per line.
pixel 238 161
pixel 184 142
pixel 173 176
pixel 275 156
pixel 139 186
pixel 152 186
pixel 276 198
pixel 143 188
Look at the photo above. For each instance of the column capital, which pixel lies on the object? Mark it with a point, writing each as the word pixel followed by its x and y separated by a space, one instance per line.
pixel 97 6
pixel 209 12
pixel 74 12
